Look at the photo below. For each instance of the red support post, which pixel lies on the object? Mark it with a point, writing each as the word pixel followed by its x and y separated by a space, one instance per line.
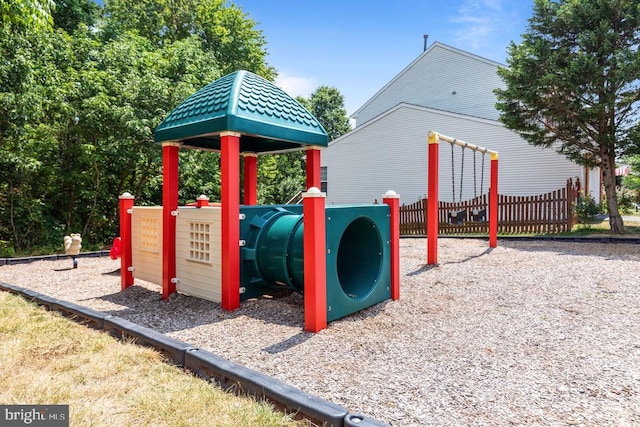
pixel 393 200
pixel 313 167
pixel 250 179
pixel 230 188
pixel 169 206
pixel 432 196
pixel 493 203
pixel 315 261
pixel 126 253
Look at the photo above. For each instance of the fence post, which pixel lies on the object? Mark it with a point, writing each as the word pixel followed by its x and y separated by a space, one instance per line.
pixel 493 202
pixel 230 216
pixel 315 260
pixel 432 199
pixel 250 179
pixel 126 255
pixel 393 200
pixel 169 206
pixel 313 168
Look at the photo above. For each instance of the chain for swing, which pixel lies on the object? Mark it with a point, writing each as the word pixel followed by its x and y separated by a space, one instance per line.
pixel 462 172
pixel 453 174
pixel 475 192
pixel 484 154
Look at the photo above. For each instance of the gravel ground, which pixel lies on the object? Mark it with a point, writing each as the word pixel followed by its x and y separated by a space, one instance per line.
pixel 528 333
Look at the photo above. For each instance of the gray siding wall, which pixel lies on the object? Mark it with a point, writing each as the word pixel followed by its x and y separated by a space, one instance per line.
pixel 390 153
pixel 431 81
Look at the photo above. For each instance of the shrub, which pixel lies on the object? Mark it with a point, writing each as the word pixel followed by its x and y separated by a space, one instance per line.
pixel 587 210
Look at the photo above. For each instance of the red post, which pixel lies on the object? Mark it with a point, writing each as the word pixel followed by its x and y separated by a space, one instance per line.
pixel 313 167
pixel 169 205
pixel 315 261
pixel 230 186
pixel 393 200
pixel 250 179
pixel 493 203
pixel 432 202
pixel 201 201
pixel 126 253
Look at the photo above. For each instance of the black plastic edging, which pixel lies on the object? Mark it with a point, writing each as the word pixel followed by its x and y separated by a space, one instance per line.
pixel 230 375
pixel 360 420
pixel 576 239
pixel 83 315
pixel 11 288
pixel 54 257
pixel 122 328
pixel 40 299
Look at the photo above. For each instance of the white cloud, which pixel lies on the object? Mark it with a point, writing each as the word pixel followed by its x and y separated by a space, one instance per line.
pixel 296 85
pixel 477 21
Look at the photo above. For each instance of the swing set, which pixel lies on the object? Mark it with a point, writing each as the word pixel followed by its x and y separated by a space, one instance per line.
pixel 459 216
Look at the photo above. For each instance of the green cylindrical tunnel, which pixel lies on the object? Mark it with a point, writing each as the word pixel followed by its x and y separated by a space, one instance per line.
pixel 279 254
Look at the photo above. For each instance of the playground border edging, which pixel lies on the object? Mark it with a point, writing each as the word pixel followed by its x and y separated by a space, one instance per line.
pixel 613 240
pixel 54 257
pixel 123 329
pixel 204 364
pixel 244 380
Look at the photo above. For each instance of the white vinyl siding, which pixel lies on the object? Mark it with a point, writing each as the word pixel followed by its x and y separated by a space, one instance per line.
pixel 443 78
pixel 390 153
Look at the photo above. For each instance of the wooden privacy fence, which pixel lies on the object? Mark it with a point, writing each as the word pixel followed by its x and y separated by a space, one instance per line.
pixel 546 213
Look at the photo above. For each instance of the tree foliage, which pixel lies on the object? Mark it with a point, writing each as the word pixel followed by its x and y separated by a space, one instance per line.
pixel 573 84
pixel 32 15
pixel 327 105
pixel 632 181
pixel 223 29
pixel 82 89
pixel 78 107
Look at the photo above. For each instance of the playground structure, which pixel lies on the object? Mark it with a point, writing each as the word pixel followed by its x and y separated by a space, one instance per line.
pixel 434 140
pixel 342 258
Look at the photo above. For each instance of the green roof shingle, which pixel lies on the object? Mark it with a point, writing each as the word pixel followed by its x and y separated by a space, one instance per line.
pixel 267 118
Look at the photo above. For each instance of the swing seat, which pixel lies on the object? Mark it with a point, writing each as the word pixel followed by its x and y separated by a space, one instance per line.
pixel 479 215
pixel 457 217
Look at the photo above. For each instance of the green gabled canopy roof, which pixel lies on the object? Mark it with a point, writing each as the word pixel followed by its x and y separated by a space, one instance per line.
pixel 266 117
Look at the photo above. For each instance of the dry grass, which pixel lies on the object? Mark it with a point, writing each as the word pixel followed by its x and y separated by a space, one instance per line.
pixel 47 359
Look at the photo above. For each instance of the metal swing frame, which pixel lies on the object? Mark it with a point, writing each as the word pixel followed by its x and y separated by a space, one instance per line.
pixel 434 140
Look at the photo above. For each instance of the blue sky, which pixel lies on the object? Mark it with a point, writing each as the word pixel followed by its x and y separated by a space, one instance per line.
pixel 358 46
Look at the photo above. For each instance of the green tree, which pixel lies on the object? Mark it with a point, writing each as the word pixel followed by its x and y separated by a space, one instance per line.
pixel 632 181
pixel 27 14
pixel 327 105
pixel 573 83
pixel 280 177
pixel 77 113
pixel 69 14
pixel 223 28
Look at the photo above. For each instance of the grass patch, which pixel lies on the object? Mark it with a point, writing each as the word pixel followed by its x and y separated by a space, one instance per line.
pixel 47 359
pixel 600 229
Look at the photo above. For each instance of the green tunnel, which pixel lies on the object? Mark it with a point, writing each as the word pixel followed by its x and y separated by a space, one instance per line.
pixel 357 259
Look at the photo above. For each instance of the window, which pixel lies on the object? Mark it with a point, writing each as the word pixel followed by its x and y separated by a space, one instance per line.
pixel 323 179
pixel 150 234
pixel 199 238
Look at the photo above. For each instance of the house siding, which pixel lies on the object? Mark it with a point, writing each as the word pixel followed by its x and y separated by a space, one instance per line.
pixel 390 153
pixel 443 78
